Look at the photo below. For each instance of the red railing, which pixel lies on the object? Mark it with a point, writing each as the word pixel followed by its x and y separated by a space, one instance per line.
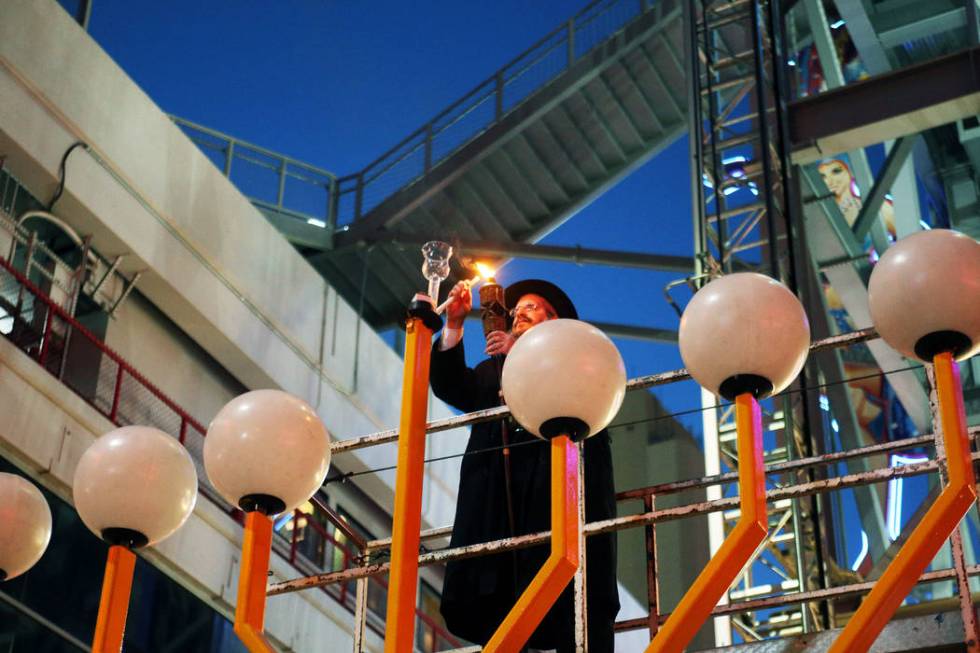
pixel 77 357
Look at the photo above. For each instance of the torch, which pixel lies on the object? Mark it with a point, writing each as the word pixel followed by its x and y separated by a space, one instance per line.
pixel 493 309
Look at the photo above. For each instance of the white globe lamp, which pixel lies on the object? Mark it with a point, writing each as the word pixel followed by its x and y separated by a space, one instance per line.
pixel 743 336
pixel 744 332
pixel 924 295
pixel 267 450
pixel 25 525
pixel 564 377
pixel 135 486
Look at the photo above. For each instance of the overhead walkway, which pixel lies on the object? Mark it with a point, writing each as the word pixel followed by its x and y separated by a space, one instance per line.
pixel 518 155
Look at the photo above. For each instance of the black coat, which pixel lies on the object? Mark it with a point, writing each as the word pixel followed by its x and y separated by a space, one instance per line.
pixel 479 592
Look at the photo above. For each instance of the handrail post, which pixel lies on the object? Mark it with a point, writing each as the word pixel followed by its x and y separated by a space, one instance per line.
pixel 229 155
pixel 498 93
pixel 359 195
pixel 45 338
pixel 360 613
pixel 428 147
pixel 333 204
pixel 282 182
pixel 571 41
pixel 294 540
pixel 653 589
pixel 116 392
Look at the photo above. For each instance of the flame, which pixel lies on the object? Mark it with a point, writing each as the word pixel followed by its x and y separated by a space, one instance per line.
pixel 485 270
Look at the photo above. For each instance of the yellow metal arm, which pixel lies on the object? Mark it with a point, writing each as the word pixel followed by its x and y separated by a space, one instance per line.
pixel 250 609
pixel 114 604
pixel 560 567
pixel 737 549
pixel 405 536
pixel 936 525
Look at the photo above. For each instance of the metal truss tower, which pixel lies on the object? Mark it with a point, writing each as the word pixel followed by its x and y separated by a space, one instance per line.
pixel 741 186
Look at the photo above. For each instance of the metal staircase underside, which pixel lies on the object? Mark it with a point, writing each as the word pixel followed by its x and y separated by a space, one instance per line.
pixel 613 109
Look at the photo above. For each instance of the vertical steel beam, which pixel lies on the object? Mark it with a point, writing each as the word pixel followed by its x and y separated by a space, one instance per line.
pixel 694 132
pixel 762 106
pixel 653 588
pixel 360 613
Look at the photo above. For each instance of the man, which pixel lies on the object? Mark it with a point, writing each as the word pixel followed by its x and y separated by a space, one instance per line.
pixel 506 491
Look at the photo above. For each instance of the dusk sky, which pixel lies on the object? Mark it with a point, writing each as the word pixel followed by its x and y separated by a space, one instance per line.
pixel 336 84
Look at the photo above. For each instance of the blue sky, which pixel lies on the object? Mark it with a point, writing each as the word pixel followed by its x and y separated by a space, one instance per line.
pixel 336 84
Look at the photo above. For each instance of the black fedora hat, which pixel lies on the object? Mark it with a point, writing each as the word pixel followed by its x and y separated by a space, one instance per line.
pixel 553 294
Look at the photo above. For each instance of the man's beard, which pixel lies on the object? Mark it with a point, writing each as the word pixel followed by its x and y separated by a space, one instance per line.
pixel 517 334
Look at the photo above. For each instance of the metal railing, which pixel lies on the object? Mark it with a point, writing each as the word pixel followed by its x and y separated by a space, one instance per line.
pixel 482 107
pixel 311 543
pixel 787 480
pixel 45 331
pixel 282 185
pixel 272 181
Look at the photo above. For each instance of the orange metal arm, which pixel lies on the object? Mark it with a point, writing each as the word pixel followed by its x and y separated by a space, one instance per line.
pixel 250 610
pixel 405 536
pixel 559 569
pixel 116 586
pixel 737 549
pixel 936 525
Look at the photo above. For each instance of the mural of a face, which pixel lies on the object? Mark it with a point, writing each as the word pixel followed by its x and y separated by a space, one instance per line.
pixel 837 176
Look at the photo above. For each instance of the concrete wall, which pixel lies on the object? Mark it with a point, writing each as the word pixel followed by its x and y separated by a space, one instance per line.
pixel 45 431
pixel 210 261
pixel 170 359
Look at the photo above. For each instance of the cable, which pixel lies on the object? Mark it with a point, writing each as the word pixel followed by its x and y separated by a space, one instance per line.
pixel 61 173
pixel 345 477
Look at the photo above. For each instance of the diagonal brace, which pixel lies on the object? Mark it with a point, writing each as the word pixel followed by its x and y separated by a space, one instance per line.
pixel 936 525
pixel 889 172
pixel 740 545
pixel 559 569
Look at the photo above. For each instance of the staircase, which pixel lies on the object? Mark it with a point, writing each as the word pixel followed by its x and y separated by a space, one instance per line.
pixel 510 161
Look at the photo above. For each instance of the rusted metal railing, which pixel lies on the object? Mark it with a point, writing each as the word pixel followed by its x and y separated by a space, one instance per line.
pixel 651 516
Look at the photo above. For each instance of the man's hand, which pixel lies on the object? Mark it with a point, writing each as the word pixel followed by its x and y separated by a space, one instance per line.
pixel 499 342
pixel 460 304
